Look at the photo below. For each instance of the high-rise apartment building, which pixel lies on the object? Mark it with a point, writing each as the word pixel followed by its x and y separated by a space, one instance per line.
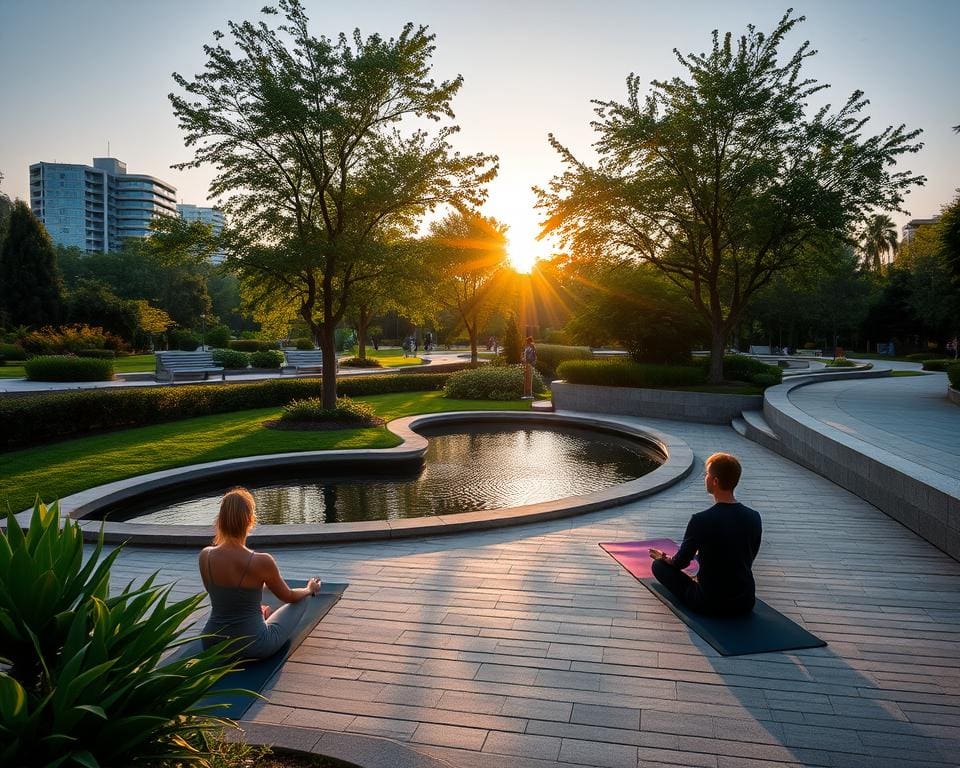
pixel 212 216
pixel 95 207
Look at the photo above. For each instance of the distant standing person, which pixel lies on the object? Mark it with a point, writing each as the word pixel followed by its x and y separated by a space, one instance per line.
pixel 725 540
pixel 529 360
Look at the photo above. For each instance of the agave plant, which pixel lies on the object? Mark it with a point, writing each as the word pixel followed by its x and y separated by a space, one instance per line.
pixel 85 683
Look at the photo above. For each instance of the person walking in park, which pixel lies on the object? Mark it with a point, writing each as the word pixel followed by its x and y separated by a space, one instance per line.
pixel 725 540
pixel 234 577
pixel 529 360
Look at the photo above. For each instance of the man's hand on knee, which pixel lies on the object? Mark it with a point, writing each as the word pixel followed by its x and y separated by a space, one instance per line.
pixel 659 554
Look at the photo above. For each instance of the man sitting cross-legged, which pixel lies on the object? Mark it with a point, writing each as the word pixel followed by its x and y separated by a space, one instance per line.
pixel 724 539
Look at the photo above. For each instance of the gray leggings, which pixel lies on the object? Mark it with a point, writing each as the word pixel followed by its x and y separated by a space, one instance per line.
pixel 279 628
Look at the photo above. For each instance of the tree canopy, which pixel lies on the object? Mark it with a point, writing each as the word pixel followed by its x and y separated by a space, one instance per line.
pixel 879 238
pixel 469 264
pixel 722 177
pixel 316 155
pixel 31 290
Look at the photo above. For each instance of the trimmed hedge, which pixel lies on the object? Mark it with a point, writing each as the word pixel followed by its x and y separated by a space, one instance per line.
pixel 267 358
pixel 251 345
pixel 304 344
pixel 743 368
pixel 549 356
pixel 99 354
pixel 66 368
pixel 40 418
pixel 953 373
pixel 938 364
pixel 12 352
pixel 501 382
pixel 230 358
pixel 919 357
pixel 615 373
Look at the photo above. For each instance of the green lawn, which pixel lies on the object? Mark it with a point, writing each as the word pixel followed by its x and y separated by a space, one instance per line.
pixel 60 469
pixel 389 358
pixel 909 373
pixel 131 364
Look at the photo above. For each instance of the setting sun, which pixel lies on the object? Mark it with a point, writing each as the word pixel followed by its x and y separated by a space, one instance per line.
pixel 518 213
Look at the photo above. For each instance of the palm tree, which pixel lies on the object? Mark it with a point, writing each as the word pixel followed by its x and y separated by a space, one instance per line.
pixel 879 236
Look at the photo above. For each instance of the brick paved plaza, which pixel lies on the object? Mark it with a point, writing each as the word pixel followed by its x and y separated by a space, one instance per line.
pixel 531 647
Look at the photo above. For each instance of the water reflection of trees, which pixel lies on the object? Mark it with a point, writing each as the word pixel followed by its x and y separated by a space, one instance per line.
pixel 486 468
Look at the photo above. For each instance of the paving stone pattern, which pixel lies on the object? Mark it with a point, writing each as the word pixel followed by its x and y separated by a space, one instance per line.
pixel 911 417
pixel 529 646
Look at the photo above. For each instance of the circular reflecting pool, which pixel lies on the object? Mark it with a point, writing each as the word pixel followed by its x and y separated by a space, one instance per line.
pixel 480 467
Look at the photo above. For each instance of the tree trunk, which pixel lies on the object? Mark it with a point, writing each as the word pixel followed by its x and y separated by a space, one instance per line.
pixel 717 339
pixel 328 344
pixel 474 357
pixel 363 322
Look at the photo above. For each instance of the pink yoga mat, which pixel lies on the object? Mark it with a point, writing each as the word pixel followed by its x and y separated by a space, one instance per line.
pixel 635 555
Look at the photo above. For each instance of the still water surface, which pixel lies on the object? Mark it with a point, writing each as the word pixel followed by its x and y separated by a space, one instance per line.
pixel 481 467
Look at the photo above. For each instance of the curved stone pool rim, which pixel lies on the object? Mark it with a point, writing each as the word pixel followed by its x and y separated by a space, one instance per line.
pixel 678 461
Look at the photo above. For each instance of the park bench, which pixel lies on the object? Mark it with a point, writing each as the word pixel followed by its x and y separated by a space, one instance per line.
pixel 173 364
pixel 303 360
pixel 756 349
pixel 810 352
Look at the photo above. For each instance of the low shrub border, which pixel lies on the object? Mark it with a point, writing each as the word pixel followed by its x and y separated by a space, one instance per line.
pixel 42 418
pixel 495 382
pixel 621 374
pixel 66 368
pixel 549 356
pixel 953 373
pixel 938 364
pixel 840 362
pixel 360 362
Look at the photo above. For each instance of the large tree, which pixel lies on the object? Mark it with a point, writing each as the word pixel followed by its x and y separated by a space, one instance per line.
pixel 721 178
pixel 319 146
pixel 634 306
pixel 879 238
pixel 468 261
pixel 31 291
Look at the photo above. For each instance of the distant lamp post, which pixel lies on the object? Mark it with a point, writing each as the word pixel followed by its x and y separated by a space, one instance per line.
pixel 203 331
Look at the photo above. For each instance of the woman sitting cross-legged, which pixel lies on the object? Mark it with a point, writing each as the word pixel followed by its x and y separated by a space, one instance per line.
pixel 234 576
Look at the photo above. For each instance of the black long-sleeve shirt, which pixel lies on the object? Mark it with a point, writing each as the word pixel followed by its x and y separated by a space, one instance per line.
pixel 725 540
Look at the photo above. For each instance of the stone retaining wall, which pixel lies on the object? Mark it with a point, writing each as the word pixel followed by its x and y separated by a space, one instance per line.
pixel 954 395
pixel 704 407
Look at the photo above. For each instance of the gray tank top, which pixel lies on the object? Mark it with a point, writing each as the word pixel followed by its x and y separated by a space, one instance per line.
pixel 234 611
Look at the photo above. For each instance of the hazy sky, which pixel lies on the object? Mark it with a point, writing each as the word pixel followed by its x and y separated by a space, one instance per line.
pixel 80 73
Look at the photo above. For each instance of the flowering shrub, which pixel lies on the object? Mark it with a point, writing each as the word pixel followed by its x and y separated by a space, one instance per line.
pixel 69 339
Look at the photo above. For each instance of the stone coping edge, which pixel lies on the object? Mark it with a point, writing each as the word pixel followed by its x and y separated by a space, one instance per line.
pixel 678 461
pixel 953 395
pixel 923 500
pixel 362 750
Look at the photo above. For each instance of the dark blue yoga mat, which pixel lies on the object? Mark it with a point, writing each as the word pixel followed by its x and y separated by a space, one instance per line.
pixel 765 630
pixel 254 673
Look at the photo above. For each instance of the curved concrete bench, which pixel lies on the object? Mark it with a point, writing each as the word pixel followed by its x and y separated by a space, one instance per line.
pixel 925 501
